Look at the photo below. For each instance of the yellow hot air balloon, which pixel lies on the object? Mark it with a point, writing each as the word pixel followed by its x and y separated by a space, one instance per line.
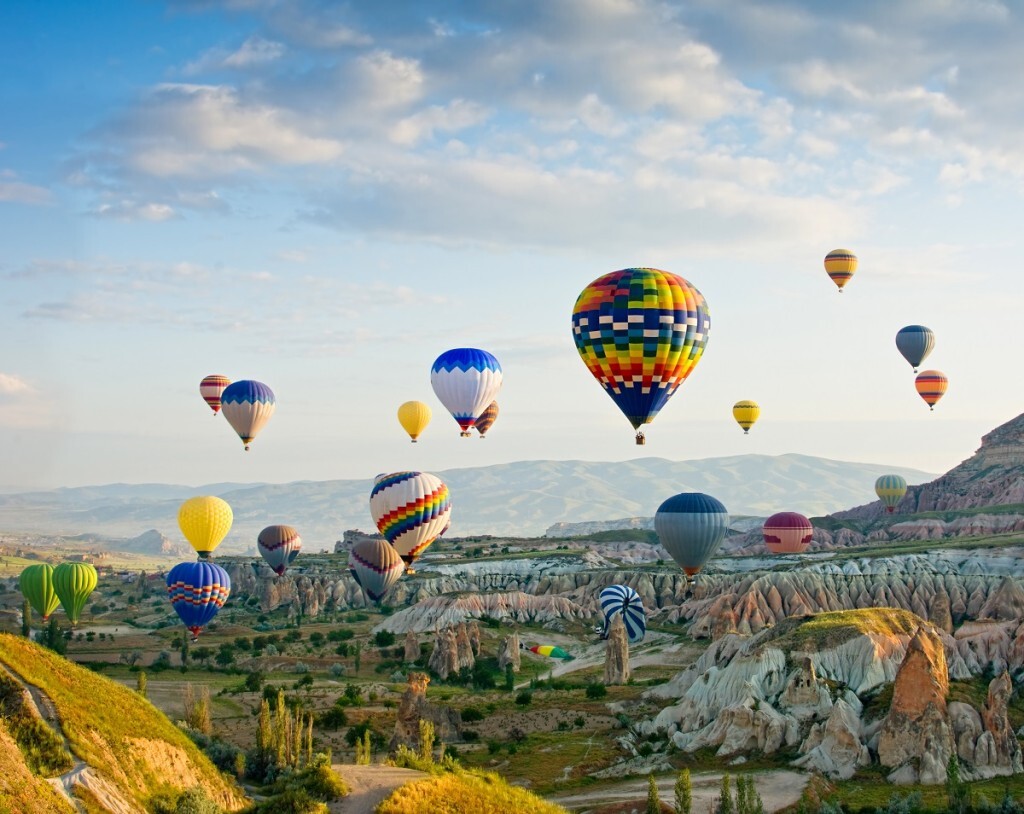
pixel 746 413
pixel 414 417
pixel 205 521
pixel 840 265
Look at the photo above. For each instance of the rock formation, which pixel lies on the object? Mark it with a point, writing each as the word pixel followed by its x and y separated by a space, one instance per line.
pixel 444 660
pixel 616 654
pixel 412 648
pixel 473 629
pixel 351 537
pixel 463 648
pixel 508 652
pixel 414 707
pixel 835 748
pixel 916 739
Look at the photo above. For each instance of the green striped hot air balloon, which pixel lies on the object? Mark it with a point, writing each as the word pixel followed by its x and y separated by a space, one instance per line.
pixel 890 490
pixel 36 584
pixel 73 582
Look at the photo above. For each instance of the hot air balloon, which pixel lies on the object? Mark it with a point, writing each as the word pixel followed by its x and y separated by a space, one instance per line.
pixel 414 417
pixel 279 546
pixel 205 521
pixel 466 380
pixel 621 600
pixel 73 582
pixel 198 590
pixel 640 332
pixel 376 566
pixel 487 419
pixel 915 342
pixel 890 490
pixel 787 533
pixel 931 385
pixel 36 585
pixel 746 414
pixel 690 526
pixel 211 388
pixel 410 509
pixel 552 652
pixel 247 406
pixel 840 265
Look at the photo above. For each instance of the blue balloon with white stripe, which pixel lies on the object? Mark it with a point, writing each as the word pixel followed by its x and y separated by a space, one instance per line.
pixel 621 600
pixel 466 381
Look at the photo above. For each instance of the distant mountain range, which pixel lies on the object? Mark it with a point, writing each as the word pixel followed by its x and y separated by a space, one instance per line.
pixel 519 499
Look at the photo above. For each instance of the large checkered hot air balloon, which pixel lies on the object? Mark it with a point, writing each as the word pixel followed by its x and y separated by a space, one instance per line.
pixel 197 590
pixel 248 406
pixel 621 600
pixel 466 380
pixel 640 332
pixel 411 510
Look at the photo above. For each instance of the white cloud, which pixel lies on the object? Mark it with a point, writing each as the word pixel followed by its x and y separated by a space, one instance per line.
pixel 20 192
pixel 458 115
pixel 133 210
pixel 254 52
pixel 11 385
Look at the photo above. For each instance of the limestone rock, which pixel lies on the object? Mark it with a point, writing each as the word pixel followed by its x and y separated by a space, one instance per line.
pixel 412 648
pixel 616 654
pixel 473 629
pixel 464 649
pixel 835 748
pixel 917 730
pixel 444 660
pixel 414 707
pixel 805 698
pixel 508 652
pixel 1006 748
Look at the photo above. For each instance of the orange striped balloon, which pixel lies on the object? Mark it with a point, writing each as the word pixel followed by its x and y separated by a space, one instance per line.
pixel 931 384
pixel 840 264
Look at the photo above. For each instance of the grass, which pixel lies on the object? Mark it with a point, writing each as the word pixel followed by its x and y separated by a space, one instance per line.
pixel 479 792
pixel 124 737
pixel 41 747
pixel 20 790
pixel 869 791
pixel 826 630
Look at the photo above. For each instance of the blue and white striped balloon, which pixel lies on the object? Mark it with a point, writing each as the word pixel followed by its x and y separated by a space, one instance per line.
pixel 466 380
pixel 624 601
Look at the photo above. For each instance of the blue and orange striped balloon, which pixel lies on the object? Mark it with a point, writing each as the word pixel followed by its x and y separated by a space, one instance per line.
pixel 411 510
pixel 932 386
pixel 640 332
pixel 197 590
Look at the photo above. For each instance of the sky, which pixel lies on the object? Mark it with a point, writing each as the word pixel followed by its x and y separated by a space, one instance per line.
pixel 325 196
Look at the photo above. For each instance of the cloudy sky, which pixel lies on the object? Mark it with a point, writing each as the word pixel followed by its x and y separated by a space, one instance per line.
pixel 325 196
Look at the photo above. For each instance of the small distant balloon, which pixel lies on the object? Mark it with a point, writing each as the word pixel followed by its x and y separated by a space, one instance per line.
pixel 840 265
pixel 890 490
pixel 279 546
pixel 248 406
pixel 205 521
pixel 211 388
pixel 487 419
pixel 931 385
pixel 915 342
pixel 746 414
pixel 414 417
pixel 787 533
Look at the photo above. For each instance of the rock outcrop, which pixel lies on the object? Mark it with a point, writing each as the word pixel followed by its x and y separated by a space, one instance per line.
pixel 508 652
pixel 412 648
pixel 464 647
pixel 835 748
pixel 916 739
pixel 444 660
pixel 616 654
pixel 414 708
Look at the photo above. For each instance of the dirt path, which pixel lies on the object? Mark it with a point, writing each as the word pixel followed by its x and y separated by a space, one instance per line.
pixel 369 785
pixel 778 789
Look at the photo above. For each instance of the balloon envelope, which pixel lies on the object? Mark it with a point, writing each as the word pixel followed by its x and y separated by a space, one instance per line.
pixel 376 567
pixel 931 386
pixel 691 526
pixel 36 585
pixel 197 590
pixel 787 533
pixel 487 419
pixel 279 546
pixel 915 342
pixel 746 413
pixel 840 265
pixel 248 406
pixel 73 582
pixel 414 417
pixel 411 509
pixel 550 651
pixel 621 600
pixel 205 521
pixel 890 490
pixel 640 332
pixel 466 380
pixel 211 388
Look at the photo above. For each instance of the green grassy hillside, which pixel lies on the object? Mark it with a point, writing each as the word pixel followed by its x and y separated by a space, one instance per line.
pixel 825 630
pixel 477 792
pixel 127 740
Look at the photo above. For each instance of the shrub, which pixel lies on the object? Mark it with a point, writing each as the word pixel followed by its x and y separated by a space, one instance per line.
pixel 596 690
pixel 524 698
pixel 471 714
pixel 384 638
pixel 334 718
pixel 340 635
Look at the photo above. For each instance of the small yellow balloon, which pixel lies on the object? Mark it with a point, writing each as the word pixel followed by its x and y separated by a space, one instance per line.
pixel 746 413
pixel 414 417
pixel 205 521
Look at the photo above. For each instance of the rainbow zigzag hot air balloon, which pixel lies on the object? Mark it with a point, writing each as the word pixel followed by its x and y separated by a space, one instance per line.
pixel 787 533
pixel 248 406
pixel 466 380
pixel 279 546
pixel 197 590
pixel 73 582
pixel 640 332
pixel 890 490
pixel 376 567
pixel 411 509
pixel 36 585
pixel 211 388
pixel 840 265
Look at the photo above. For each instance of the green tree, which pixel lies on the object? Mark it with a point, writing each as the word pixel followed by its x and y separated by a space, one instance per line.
pixel 52 637
pixel 684 793
pixel 384 638
pixel 596 690
pixel 140 683
pixel 426 741
pixel 510 678
pixel 958 793
pixel 653 803
pixel 240 764
pixel 742 799
pixel 184 651
pixel 358 655
pixel 725 804
pixel 26 619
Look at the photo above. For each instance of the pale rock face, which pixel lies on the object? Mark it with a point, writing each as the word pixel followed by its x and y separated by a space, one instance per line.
pixel 473 629
pixel 442 611
pixel 414 707
pixel 966 723
pixel 463 647
pixel 805 698
pixel 1005 755
pixel 744 727
pixel 444 660
pixel 986 644
pixel 508 652
pixel 616 659
pixel 835 748
pixel 412 648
